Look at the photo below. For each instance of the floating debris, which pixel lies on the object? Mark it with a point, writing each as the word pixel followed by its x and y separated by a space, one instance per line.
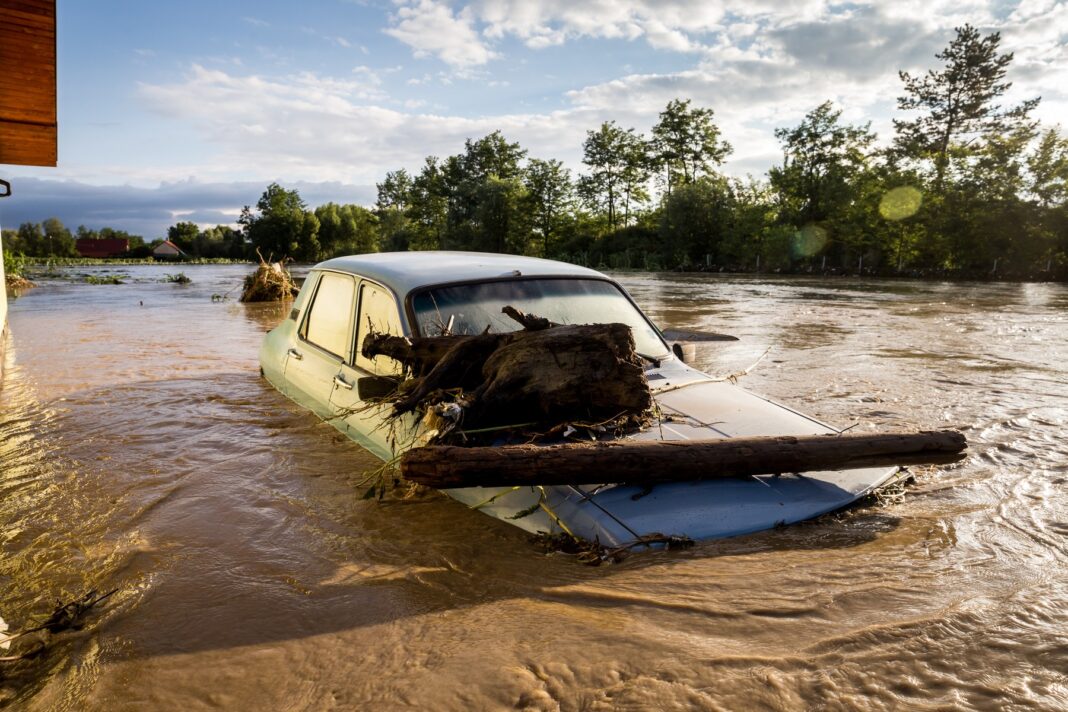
pixel 66 616
pixel 103 279
pixel 271 282
pixel 593 553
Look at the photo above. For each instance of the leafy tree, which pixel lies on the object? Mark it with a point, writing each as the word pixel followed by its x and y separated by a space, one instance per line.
pixel 502 221
pixel 1048 169
pixel 429 207
pixel 693 220
pixel 549 199
pixel 281 226
pixel 346 230
pixel 60 240
pixel 394 191
pixel 957 104
pixel 462 184
pixel 394 199
pixel 184 235
pixel 687 143
pixel 823 158
pixel 48 239
pixel 607 152
pixel 492 155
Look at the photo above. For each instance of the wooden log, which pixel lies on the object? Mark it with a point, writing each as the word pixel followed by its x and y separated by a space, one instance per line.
pixel 658 461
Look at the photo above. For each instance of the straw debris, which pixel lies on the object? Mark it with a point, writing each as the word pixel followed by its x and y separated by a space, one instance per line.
pixel 271 282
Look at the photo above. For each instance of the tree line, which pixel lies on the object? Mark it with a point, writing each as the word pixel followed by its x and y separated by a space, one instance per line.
pixel 51 238
pixel 965 187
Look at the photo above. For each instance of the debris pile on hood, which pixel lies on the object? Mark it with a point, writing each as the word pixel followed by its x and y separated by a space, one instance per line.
pixel 545 381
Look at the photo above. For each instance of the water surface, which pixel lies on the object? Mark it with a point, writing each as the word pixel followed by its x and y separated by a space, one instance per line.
pixel 139 449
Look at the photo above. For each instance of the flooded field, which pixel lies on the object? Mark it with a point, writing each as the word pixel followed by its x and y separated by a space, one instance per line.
pixel 140 450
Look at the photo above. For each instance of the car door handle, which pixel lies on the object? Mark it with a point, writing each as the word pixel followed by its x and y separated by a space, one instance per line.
pixel 296 354
pixel 342 383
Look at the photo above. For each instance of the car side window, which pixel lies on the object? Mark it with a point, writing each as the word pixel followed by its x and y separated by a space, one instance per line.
pixel 378 314
pixel 328 324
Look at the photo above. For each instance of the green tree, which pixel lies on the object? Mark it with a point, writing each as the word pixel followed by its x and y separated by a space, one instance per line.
pixel 822 160
pixel 694 219
pixel 1047 169
pixel 31 240
pixel 394 199
pixel 503 224
pixel 686 143
pixel 281 225
pixel 957 105
pixel 184 235
pixel 549 199
pixel 429 207
pixel 346 230
pixel 59 238
pixel 607 152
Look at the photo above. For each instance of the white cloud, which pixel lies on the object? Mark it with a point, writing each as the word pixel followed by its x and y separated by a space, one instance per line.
pixel 312 128
pixel 431 28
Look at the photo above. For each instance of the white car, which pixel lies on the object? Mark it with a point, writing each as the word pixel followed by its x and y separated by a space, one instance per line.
pixel 314 358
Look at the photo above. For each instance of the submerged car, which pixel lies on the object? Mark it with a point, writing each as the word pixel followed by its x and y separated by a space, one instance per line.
pixel 314 358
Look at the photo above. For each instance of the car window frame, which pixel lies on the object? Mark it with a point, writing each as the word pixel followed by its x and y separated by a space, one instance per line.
pixel 302 326
pixel 406 330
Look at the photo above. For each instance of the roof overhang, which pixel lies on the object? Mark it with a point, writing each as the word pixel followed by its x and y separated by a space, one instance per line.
pixel 28 128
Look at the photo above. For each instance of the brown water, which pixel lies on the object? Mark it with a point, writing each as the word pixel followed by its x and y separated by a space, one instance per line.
pixel 139 449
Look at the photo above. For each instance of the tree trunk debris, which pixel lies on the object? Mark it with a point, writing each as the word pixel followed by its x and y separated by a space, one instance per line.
pixel 542 376
pixel 659 461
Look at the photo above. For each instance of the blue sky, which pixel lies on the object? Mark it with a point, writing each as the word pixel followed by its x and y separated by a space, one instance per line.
pixel 172 111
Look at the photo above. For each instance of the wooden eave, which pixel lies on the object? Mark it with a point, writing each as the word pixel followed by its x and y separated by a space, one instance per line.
pixel 28 127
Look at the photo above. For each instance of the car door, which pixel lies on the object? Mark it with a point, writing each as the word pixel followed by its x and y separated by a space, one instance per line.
pixel 323 343
pixel 378 310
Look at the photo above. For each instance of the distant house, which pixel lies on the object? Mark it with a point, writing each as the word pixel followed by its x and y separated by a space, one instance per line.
pixel 108 247
pixel 167 250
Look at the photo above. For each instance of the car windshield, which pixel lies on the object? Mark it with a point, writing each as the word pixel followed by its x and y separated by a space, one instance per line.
pixel 472 308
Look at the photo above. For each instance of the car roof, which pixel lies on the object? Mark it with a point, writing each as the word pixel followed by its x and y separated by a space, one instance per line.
pixel 404 271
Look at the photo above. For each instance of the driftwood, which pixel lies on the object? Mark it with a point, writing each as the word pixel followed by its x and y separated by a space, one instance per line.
pixel 545 374
pixel 658 461
pixel 270 282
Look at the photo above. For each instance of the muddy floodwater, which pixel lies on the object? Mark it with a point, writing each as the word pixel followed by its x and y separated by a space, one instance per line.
pixel 140 450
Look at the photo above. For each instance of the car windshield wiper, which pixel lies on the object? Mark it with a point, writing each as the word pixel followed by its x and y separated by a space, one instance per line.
pixel 651 359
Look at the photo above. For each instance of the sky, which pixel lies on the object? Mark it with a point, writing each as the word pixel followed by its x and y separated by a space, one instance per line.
pixel 186 111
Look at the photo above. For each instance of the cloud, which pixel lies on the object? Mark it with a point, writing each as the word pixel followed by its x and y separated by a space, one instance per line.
pixel 312 128
pixel 431 28
pixel 256 22
pixel 670 24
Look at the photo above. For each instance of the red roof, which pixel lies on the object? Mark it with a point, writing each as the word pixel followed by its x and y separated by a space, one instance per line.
pixel 110 247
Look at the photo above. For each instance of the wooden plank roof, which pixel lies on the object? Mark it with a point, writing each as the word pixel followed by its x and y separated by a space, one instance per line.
pixel 28 133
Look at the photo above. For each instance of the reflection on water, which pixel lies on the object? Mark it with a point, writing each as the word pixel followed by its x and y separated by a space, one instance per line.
pixel 140 449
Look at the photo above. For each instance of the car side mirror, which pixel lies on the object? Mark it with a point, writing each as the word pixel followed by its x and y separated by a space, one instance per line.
pixel 372 388
pixel 684 352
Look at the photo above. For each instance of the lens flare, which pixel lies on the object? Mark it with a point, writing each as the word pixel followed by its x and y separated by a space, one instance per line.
pixel 809 240
pixel 900 203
